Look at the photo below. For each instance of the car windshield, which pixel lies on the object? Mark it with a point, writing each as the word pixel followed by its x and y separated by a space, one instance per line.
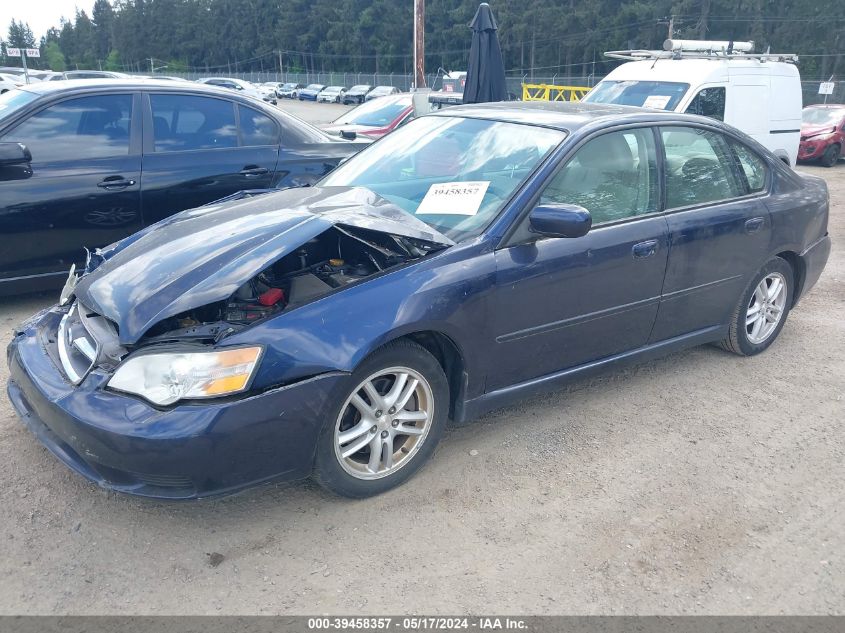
pixel 12 100
pixel 287 86
pixel 822 116
pixel 374 113
pixel 358 88
pixel 453 173
pixel 333 89
pixel 660 95
pixel 314 87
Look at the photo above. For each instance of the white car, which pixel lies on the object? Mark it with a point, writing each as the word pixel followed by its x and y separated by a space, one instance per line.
pixel 332 94
pixel 268 91
pixel 9 82
pixel 244 87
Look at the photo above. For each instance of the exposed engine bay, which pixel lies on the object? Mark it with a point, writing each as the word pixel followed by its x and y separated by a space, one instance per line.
pixel 333 260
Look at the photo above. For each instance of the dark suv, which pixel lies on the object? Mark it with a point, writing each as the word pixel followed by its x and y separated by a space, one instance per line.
pixel 85 163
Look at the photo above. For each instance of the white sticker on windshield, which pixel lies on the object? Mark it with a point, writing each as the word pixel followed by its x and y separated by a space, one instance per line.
pixel 454 198
pixel 658 102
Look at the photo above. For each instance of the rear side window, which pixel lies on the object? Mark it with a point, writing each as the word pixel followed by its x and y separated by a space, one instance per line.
pixel 613 176
pixel 182 123
pixel 709 102
pixel 753 167
pixel 83 128
pixel 256 128
pixel 699 167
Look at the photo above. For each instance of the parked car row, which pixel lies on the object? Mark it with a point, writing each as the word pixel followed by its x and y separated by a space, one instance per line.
pixel 333 94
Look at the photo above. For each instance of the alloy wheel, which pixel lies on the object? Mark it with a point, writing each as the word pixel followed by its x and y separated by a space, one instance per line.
pixel 766 307
pixel 383 424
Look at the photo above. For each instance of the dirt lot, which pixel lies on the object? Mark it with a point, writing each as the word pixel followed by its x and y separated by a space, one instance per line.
pixel 700 483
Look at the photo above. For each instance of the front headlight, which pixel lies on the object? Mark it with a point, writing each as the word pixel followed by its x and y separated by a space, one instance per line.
pixel 165 378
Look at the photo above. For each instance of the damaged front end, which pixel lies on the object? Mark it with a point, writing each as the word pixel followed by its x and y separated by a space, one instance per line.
pixel 211 272
pixel 337 258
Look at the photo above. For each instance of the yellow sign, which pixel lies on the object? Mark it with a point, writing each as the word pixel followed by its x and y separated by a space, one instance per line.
pixel 549 92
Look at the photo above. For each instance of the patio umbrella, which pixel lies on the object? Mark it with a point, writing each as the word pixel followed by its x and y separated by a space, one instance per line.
pixel 485 79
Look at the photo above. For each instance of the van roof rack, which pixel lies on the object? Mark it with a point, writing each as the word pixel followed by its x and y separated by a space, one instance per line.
pixel 702 49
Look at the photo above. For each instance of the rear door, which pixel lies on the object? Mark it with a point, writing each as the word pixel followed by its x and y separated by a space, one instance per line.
pixel 201 148
pixel 719 228
pixel 81 189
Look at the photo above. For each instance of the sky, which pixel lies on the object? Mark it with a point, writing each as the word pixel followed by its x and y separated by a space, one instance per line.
pixel 40 14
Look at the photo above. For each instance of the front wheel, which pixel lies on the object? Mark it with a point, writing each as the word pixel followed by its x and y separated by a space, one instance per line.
pixel 386 424
pixel 831 156
pixel 762 310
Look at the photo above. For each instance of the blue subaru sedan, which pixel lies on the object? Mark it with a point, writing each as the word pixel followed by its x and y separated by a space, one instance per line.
pixel 472 257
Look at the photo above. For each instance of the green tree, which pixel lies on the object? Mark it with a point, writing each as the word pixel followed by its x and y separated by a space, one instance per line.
pixel 20 35
pixel 53 56
pixel 562 38
pixel 113 61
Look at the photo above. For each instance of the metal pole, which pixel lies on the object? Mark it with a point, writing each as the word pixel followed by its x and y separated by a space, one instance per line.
pixel 419 44
pixel 23 61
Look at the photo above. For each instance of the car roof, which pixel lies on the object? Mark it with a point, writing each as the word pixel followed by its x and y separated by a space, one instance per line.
pixel 566 116
pixel 91 85
pixel 695 71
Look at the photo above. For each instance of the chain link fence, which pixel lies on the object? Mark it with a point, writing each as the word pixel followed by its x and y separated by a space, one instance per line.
pixel 399 80
pixel 809 89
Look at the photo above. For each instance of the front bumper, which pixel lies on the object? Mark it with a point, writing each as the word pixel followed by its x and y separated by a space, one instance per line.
pixel 811 150
pixel 189 451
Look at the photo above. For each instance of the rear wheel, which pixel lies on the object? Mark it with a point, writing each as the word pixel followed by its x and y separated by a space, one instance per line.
pixel 386 424
pixel 831 156
pixel 762 310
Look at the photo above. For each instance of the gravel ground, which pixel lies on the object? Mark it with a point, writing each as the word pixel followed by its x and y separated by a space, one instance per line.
pixel 700 483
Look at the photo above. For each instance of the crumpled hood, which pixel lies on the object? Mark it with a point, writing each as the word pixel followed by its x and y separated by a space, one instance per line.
pixel 204 255
pixel 816 130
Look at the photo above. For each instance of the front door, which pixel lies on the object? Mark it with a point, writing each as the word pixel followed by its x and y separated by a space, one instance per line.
pixel 81 189
pixel 562 302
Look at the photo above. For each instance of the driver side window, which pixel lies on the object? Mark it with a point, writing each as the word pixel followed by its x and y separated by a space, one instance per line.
pixel 613 176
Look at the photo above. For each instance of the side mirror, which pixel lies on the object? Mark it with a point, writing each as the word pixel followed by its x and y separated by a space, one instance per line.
pixel 14 154
pixel 349 135
pixel 560 220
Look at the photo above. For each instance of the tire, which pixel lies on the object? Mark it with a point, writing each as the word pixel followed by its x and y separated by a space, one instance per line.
pixel 741 337
pixel 831 155
pixel 353 473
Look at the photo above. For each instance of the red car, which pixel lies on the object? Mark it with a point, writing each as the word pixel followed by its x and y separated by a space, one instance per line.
pixel 375 118
pixel 822 133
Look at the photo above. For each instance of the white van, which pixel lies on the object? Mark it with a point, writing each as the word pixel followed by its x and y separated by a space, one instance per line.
pixel 758 94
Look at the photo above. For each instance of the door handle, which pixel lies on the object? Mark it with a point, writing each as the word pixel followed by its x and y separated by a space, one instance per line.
pixel 753 225
pixel 115 182
pixel 644 249
pixel 254 171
